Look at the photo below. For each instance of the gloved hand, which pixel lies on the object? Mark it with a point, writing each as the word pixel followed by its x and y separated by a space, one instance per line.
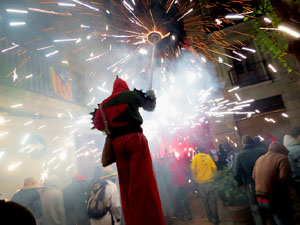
pixel 150 94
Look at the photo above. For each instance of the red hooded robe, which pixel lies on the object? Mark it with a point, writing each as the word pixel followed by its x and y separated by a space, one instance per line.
pixel 139 193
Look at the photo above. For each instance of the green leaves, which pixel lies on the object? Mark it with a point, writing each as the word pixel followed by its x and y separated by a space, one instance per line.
pixel 270 42
pixel 227 188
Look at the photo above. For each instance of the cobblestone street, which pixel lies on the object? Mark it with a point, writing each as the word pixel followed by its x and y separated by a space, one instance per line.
pixel 199 215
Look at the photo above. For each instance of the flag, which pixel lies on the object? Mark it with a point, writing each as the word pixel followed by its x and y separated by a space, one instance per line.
pixel 61 85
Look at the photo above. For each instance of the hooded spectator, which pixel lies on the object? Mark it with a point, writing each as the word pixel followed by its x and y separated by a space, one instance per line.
pixel 104 205
pixel 293 145
pixel 271 175
pixel 14 213
pixel 75 198
pixel 222 162
pixel 243 168
pixel 52 203
pixel 204 169
pixel 230 154
pixel 29 197
pixel 259 143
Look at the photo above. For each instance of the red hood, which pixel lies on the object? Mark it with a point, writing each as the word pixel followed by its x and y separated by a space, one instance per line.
pixel 119 86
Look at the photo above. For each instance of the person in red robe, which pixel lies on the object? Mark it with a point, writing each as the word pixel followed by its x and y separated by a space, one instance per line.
pixel 139 193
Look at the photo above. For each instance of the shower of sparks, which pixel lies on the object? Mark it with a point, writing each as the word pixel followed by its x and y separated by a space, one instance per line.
pixel 118 38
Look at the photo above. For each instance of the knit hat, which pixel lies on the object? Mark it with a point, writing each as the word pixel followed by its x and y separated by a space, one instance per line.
pixel 278 148
pixel 247 140
pixel 31 182
pixel 226 146
pixel 108 172
pixel 200 149
pixel 289 141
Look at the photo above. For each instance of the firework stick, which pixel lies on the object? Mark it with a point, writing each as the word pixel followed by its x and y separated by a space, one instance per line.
pixel 152 64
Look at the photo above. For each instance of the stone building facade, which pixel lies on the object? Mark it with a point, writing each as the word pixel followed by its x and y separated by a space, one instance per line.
pixel 276 92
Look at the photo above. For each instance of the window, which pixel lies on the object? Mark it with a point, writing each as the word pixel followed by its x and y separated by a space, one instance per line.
pixel 248 71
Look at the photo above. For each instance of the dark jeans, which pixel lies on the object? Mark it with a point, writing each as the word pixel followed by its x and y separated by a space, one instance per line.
pixel 209 201
pixel 182 201
pixel 296 186
pixel 255 210
pixel 279 208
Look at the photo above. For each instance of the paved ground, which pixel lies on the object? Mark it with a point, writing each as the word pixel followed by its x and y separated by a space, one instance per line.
pixel 199 215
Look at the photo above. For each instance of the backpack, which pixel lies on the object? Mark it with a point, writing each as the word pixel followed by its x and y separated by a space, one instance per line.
pixel 96 207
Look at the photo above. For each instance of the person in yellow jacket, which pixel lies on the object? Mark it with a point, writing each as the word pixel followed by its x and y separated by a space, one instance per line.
pixel 203 170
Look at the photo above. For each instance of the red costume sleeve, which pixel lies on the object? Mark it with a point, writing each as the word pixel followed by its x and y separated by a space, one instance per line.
pixel 98 121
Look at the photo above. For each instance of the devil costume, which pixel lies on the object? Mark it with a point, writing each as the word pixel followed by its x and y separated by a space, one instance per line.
pixel 139 193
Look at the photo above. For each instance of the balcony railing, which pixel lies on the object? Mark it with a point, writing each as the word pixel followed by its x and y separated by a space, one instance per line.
pixel 245 74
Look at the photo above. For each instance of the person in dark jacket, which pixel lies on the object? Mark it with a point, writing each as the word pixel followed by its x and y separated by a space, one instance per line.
pixel 230 154
pixel 243 168
pixel 293 145
pixel 259 143
pixel 75 198
pixel 222 162
pixel 29 197
pixel 272 175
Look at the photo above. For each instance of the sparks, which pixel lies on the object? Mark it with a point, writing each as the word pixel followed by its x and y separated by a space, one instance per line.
pixel 3 133
pixel 15 76
pixel 16 11
pixel 86 5
pixel 289 31
pixel 13 166
pixel 239 54
pixel 237 96
pixel 14 24
pixel 191 10
pixel 66 4
pixel 234 89
pixel 10 48
pixel 52 53
pixel 28 123
pixel 29 76
pixel 272 68
pixel 66 40
pixel 16 106
pixel 234 16
pixel 50 46
pixel 268 20
pixel 249 49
